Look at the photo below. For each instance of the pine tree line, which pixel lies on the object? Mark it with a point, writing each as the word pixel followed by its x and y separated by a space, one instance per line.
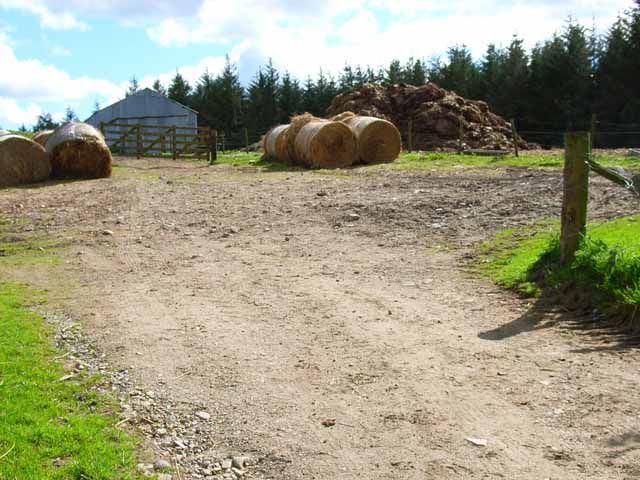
pixel 559 84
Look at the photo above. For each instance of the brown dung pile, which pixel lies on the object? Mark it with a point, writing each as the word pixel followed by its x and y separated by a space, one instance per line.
pixel 42 136
pixel 22 161
pixel 439 116
pixel 274 143
pixel 78 150
pixel 378 140
pixel 316 142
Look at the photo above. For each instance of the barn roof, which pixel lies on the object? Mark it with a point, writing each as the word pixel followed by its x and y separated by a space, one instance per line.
pixel 147 92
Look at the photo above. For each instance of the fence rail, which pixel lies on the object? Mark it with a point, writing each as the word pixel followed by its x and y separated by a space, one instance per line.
pixel 141 140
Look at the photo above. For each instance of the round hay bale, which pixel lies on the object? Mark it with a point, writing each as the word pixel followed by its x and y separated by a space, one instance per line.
pixel 378 140
pixel 78 150
pixel 297 123
pixel 341 117
pixel 22 161
pixel 42 136
pixel 325 144
pixel 274 143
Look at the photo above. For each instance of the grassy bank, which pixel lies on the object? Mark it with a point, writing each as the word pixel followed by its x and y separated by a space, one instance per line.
pixel 607 265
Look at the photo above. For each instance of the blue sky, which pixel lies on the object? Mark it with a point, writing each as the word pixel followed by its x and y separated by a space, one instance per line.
pixel 59 53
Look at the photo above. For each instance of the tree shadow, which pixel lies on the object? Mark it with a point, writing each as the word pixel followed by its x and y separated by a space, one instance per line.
pixel 602 331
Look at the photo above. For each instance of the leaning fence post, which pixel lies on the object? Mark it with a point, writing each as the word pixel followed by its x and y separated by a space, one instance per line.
pixel 576 194
pixel 514 133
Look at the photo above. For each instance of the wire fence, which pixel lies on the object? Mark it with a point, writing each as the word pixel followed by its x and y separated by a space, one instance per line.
pixel 604 135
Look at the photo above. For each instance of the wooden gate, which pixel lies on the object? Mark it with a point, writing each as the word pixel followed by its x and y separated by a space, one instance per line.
pixel 160 140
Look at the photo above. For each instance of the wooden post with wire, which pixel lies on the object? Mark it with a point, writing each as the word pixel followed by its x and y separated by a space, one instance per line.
pixel 576 194
pixel 514 134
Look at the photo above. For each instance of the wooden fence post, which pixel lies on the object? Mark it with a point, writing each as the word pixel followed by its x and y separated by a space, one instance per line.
pixel 514 133
pixel 246 139
pixel 460 136
pixel 138 143
pixel 174 147
pixel 410 135
pixel 222 146
pixel 576 194
pixel 592 130
pixel 213 146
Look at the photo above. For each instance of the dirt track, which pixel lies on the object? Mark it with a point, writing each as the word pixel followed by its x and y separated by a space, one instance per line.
pixel 278 301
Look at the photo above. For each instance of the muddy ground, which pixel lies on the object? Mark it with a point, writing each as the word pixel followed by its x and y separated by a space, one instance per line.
pixel 330 324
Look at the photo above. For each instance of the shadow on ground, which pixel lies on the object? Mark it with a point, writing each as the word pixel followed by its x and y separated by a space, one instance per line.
pixel 602 332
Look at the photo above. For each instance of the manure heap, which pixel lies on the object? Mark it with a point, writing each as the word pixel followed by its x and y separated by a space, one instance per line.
pixel 439 116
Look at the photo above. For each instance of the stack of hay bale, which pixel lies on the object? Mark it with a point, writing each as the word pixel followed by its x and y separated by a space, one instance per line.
pixel 78 150
pixel 21 161
pixel 337 143
pixel 73 150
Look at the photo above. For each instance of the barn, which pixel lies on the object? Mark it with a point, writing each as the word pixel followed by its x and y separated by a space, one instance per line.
pixel 146 107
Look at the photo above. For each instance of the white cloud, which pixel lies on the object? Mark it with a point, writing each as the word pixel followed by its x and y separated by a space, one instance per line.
pixel 304 36
pixel 13 114
pixel 48 19
pixel 192 73
pixel 29 82
pixel 59 51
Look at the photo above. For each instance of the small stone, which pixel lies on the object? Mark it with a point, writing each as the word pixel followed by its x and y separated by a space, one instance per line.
pixel 226 464
pixel 322 194
pixel 238 472
pixel 234 229
pixel 354 216
pixel 160 464
pixel 203 415
pixel 239 462
pixel 478 442
pixel 107 232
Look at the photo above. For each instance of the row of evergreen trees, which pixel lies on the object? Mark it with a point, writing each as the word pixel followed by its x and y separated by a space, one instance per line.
pixel 561 83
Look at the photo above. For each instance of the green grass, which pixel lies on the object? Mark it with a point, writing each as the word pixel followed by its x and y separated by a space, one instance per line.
pixel 24 134
pixel 436 161
pixel 16 252
pixel 607 263
pixel 252 159
pixel 51 428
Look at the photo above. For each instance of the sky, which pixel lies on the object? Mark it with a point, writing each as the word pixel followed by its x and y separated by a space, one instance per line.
pixel 56 54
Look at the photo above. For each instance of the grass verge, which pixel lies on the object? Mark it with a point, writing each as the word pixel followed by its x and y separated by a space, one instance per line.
pixel 51 428
pixel 606 267
pixel 436 161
